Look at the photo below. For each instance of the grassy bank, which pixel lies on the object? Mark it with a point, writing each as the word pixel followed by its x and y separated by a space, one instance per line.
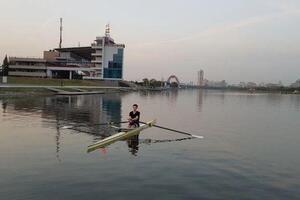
pixel 60 82
pixel 24 91
pixel 23 86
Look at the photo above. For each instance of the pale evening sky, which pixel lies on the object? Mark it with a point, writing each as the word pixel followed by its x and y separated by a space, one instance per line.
pixel 235 40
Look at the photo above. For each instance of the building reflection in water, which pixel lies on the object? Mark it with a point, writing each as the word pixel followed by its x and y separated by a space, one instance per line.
pixel 171 94
pixel 57 140
pixel 4 106
pixel 200 99
pixel 295 101
pixel 58 111
pixel 84 112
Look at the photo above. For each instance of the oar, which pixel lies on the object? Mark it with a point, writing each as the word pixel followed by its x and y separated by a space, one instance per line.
pixel 101 124
pixel 176 131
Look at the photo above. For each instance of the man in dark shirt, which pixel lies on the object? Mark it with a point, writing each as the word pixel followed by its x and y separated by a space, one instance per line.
pixel 134 117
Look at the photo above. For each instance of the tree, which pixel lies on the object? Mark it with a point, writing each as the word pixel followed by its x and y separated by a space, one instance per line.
pixel 145 82
pixel 5 66
pixel 152 82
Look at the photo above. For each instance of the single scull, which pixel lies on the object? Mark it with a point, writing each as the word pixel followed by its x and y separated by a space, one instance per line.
pixel 119 136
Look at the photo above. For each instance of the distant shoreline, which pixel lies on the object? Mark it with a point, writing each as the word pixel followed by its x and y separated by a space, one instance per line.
pixel 25 86
pixel 283 90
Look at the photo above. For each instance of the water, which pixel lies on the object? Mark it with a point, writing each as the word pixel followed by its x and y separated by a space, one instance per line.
pixel 250 150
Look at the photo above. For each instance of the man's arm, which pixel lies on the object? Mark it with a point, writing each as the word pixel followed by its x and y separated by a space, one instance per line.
pixel 137 117
pixel 129 117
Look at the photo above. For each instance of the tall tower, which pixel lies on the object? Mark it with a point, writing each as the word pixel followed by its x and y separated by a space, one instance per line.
pixel 60 36
pixel 201 78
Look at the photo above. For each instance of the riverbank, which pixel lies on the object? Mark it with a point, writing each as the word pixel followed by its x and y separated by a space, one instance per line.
pixel 280 90
pixel 60 82
pixel 65 90
pixel 283 90
pixel 12 91
pixel 24 86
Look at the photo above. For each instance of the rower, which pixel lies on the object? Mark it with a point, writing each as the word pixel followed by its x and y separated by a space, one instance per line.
pixel 134 117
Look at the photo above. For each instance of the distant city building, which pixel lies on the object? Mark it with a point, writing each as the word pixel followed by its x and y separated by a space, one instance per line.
pixel 296 84
pixel 201 78
pixel 251 85
pixel 242 85
pixel 216 84
pixel 274 85
pixel 103 60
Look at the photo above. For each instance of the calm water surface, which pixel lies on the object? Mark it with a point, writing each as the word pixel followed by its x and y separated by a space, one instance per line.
pixel 250 151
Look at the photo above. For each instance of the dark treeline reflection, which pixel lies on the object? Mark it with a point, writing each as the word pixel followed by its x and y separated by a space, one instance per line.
pixel 170 94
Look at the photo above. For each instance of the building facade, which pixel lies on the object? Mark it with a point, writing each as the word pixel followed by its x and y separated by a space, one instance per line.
pixel 296 84
pixel 201 78
pixel 103 60
pixel 108 58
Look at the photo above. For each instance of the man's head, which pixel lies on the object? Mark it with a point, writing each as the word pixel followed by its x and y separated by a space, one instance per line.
pixel 135 107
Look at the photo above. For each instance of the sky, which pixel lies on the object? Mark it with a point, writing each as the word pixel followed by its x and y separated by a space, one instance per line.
pixel 232 40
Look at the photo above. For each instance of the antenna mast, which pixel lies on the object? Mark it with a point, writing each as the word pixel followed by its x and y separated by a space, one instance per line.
pixel 61 28
pixel 107 30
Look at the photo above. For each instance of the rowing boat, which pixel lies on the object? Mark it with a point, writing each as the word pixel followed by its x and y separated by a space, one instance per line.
pixel 119 136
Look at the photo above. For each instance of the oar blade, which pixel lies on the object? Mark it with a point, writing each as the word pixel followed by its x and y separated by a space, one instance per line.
pixel 197 136
pixel 67 127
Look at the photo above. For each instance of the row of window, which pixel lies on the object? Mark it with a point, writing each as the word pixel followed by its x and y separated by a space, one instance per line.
pixel 115 67
pixel 26 70
pixel 112 73
pixel 27 63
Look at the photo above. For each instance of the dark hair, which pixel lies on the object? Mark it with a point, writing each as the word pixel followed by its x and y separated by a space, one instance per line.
pixel 135 105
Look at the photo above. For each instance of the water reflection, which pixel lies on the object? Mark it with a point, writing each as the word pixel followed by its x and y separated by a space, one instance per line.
pixel 83 113
pixel 133 144
pixel 172 95
pixel 88 111
pixel 295 99
pixel 251 141
pixel 151 141
pixel 4 106
pixel 134 141
pixel 57 140
pixel 200 99
pixel 58 111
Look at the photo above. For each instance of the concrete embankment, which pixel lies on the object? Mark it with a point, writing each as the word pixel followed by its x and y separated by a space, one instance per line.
pixel 15 90
pixel 43 86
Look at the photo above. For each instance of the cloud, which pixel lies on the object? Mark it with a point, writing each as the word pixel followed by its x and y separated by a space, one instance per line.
pixel 286 10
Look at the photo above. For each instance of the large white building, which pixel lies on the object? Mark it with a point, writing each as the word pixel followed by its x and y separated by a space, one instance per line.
pixel 107 58
pixel 296 84
pixel 103 60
